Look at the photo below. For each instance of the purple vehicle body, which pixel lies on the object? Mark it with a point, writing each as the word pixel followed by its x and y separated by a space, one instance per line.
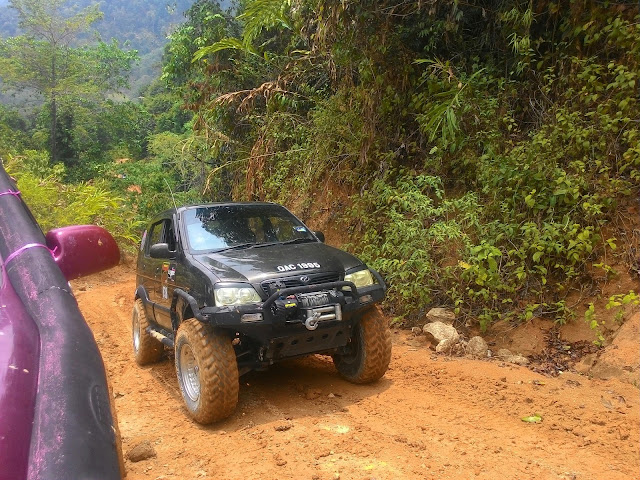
pixel 55 414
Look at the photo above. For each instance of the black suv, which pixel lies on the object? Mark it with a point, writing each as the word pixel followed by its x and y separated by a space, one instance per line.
pixel 234 287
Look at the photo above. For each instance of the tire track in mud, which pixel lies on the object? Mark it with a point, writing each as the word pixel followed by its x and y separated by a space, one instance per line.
pixel 428 418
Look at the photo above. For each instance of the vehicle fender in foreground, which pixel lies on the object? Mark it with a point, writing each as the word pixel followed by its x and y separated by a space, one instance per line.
pixel 73 433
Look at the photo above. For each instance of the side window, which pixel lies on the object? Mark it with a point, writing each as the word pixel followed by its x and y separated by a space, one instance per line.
pixel 169 235
pixel 154 235
pixel 162 232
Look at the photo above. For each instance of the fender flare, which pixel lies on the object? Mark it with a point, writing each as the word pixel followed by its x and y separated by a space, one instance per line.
pixel 141 293
pixel 179 294
pixel 379 278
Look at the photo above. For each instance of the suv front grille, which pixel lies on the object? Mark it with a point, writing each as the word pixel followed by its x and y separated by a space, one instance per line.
pixel 295 281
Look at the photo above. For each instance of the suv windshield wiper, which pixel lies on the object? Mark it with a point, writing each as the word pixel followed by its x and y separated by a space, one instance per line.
pixel 266 244
pixel 298 240
pixel 258 245
pixel 271 244
pixel 236 247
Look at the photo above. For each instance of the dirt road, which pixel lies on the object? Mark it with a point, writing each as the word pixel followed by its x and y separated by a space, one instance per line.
pixel 428 418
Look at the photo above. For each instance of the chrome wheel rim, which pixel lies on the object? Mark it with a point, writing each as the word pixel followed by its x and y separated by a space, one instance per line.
pixel 136 331
pixel 189 373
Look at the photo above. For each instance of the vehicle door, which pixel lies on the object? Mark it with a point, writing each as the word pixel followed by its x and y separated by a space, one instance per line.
pixel 166 275
pixel 147 265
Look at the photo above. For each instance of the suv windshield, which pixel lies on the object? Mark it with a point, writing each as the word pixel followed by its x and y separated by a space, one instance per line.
pixel 220 227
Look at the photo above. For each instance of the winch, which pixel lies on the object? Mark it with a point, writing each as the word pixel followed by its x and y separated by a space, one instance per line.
pixel 309 308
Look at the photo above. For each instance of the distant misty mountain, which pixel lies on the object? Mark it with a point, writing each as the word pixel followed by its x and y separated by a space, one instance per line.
pixel 141 25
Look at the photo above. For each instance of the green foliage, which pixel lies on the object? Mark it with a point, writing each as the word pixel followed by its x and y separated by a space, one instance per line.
pixel 257 17
pixel 411 232
pixel 55 204
pixel 205 24
pixel 13 138
pixel 590 318
pixel 71 77
pixel 442 103
pixel 286 170
pixel 91 137
pixel 52 18
pixel 486 150
pixel 340 129
pixel 618 302
pixel 489 146
pixel 546 196
pixel 164 109
pixel 148 184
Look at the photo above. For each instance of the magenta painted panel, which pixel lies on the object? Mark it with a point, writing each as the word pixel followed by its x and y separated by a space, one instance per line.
pixel 81 250
pixel 19 358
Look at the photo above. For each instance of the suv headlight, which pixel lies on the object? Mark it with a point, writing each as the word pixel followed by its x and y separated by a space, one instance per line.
pixel 235 296
pixel 361 278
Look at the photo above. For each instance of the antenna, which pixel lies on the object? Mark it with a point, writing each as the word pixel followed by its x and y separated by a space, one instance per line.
pixel 171 191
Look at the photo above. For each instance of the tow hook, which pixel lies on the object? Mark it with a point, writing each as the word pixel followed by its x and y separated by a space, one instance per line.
pixel 312 322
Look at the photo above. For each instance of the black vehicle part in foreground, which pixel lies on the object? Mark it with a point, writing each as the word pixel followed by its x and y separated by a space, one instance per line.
pixel 236 287
pixel 72 433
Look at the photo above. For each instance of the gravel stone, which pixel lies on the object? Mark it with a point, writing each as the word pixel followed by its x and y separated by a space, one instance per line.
pixel 142 451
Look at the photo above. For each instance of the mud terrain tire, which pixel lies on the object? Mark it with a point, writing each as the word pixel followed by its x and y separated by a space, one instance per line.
pixel 207 371
pixel 146 349
pixel 370 350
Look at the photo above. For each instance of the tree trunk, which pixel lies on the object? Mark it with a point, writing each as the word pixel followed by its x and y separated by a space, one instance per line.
pixel 54 111
pixel 54 130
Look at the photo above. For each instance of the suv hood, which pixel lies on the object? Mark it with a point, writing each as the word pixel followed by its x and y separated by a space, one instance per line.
pixel 261 263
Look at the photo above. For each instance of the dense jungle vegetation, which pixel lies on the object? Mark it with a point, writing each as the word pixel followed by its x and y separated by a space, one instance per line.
pixel 479 154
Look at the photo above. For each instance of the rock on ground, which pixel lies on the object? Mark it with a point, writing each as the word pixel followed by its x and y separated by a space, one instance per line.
pixel 445 337
pixel 506 355
pixel 518 360
pixel 446 346
pixel 142 451
pixel 440 331
pixel 477 347
pixel 443 315
pixel 503 353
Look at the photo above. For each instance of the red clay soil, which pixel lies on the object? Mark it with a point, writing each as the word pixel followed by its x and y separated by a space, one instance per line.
pixel 430 417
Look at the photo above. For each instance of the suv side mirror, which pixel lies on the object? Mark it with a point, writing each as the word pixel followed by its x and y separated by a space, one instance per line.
pixel 160 250
pixel 320 236
pixel 81 250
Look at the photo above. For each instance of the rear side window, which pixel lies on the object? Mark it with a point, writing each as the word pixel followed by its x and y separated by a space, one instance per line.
pixel 169 235
pixel 154 236
pixel 161 232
